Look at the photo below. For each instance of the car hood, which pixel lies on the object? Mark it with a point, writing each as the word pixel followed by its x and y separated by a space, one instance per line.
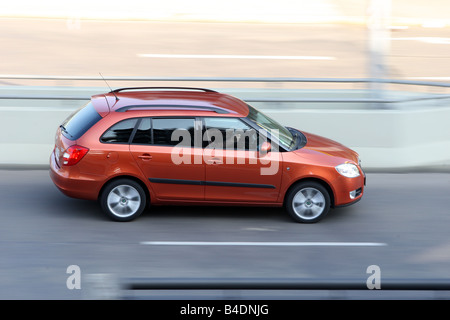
pixel 329 147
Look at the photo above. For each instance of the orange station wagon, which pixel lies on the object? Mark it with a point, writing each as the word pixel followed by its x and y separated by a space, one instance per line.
pixel 136 147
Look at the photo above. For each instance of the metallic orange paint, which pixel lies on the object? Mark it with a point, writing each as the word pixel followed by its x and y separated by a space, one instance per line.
pixel 211 183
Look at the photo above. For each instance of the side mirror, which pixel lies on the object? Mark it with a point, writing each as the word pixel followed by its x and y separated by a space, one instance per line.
pixel 265 148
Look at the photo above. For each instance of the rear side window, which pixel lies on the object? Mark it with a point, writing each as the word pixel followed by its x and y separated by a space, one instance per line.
pixel 79 122
pixel 120 132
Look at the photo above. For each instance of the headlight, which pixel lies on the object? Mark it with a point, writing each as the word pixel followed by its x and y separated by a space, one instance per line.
pixel 348 170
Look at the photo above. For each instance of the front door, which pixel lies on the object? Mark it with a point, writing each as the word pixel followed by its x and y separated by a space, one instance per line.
pixel 235 169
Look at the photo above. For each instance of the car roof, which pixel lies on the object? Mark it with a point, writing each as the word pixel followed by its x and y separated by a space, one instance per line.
pixel 192 101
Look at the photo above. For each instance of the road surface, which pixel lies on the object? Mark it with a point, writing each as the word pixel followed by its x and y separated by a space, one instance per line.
pixel 400 225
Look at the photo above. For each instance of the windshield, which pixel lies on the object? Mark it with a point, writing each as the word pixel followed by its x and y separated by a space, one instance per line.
pixel 263 121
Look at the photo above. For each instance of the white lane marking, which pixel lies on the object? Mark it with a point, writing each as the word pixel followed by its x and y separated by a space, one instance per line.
pixel 230 56
pixel 434 24
pixel 431 40
pixel 258 229
pixel 398 27
pixel 270 244
pixel 429 78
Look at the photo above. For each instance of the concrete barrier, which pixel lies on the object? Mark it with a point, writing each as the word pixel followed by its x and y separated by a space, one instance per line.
pixel 407 137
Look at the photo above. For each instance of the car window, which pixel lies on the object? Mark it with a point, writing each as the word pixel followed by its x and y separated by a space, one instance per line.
pixel 230 134
pixel 173 131
pixel 285 137
pixel 120 132
pixel 143 133
pixel 80 121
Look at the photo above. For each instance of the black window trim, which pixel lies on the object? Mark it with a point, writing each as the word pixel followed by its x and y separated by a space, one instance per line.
pixel 200 119
pixel 133 134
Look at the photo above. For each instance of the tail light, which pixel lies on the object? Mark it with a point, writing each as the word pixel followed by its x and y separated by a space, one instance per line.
pixel 73 155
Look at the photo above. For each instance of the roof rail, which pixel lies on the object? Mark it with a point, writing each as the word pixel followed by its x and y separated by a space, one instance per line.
pixel 164 88
pixel 174 107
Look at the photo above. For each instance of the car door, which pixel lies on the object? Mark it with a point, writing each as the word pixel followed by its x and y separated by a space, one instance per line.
pixel 235 169
pixel 164 150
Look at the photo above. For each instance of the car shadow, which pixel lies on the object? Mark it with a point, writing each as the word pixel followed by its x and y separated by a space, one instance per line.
pixel 90 209
pixel 215 212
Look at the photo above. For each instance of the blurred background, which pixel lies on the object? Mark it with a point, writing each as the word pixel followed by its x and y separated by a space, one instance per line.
pixel 372 74
pixel 321 66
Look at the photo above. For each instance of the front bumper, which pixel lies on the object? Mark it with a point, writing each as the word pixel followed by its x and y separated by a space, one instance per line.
pixel 349 190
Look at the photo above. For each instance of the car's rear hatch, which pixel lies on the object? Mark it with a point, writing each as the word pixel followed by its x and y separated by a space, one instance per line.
pixel 77 124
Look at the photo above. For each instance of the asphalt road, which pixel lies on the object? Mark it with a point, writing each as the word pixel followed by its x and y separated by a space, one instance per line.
pixel 43 232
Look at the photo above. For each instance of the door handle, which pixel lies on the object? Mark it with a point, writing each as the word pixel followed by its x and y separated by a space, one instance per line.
pixel 145 156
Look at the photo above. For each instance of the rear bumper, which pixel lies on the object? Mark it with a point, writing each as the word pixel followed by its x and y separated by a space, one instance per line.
pixel 74 184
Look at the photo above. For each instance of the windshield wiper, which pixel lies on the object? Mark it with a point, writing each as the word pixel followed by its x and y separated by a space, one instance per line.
pixel 65 130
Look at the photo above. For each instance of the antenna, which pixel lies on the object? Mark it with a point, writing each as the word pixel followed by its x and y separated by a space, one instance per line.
pixel 111 90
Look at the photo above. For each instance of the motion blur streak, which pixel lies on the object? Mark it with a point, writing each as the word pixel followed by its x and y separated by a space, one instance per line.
pixel 264 244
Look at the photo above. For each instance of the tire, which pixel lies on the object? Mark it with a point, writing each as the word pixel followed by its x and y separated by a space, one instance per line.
pixel 308 202
pixel 123 200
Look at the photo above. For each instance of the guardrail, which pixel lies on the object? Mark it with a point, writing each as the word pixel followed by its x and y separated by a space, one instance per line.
pixel 375 99
pixel 352 117
pixel 313 100
pixel 228 79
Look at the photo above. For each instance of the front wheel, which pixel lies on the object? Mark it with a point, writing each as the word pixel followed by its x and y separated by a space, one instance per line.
pixel 308 202
pixel 123 200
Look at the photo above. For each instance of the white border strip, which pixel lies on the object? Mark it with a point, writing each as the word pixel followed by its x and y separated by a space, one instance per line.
pixel 270 244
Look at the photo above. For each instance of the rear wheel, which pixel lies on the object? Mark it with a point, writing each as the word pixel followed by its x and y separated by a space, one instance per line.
pixel 308 202
pixel 123 200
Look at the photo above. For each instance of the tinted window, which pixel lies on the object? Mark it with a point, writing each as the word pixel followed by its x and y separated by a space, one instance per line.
pixel 230 133
pixel 143 134
pixel 80 121
pixel 120 132
pixel 173 131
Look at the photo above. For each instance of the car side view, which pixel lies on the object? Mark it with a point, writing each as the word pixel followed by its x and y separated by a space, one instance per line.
pixel 133 148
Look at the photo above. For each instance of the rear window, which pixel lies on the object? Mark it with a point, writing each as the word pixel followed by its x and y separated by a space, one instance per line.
pixel 80 121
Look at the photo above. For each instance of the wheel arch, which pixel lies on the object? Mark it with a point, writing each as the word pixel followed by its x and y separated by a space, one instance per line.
pixel 130 177
pixel 312 179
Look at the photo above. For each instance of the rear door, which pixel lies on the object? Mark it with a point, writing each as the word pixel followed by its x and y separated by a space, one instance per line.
pixel 164 150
